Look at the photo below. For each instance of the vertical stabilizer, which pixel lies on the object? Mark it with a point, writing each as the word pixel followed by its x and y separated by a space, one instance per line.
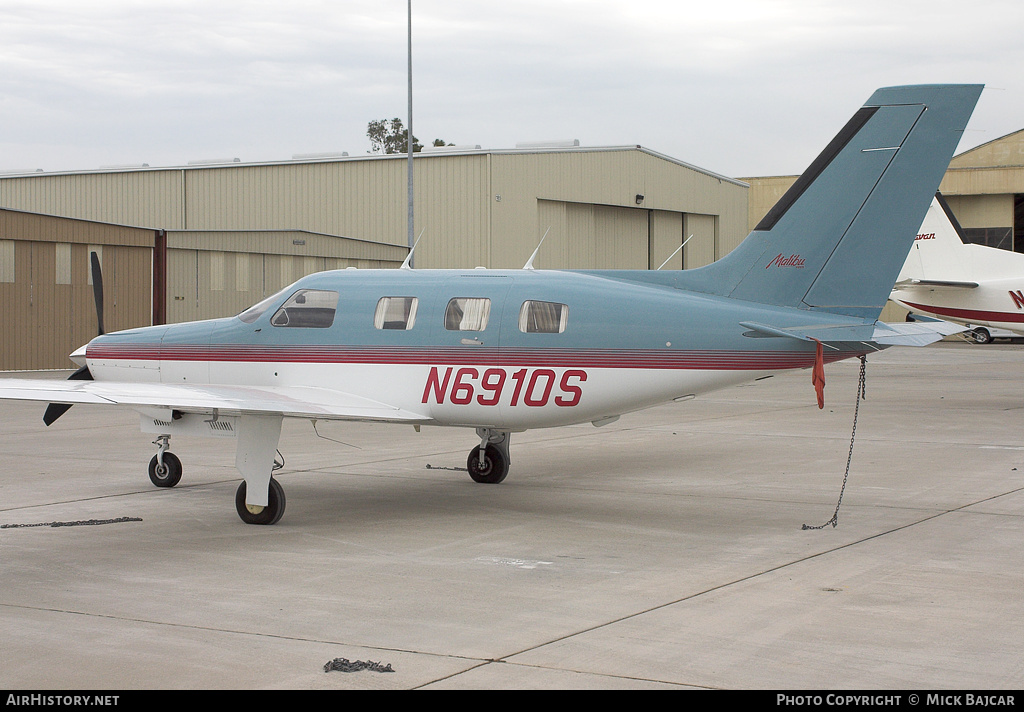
pixel 837 239
pixel 938 252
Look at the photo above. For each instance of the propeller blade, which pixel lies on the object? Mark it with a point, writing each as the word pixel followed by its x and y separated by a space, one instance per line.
pixel 97 289
pixel 55 410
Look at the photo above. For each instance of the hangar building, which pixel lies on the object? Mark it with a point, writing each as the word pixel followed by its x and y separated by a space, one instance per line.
pixel 230 233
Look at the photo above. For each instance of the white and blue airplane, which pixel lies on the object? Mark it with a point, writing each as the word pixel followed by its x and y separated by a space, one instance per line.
pixel 504 351
pixel 946 278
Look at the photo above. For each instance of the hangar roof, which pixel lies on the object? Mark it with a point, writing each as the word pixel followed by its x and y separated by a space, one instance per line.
pixel 1006 150
pixel 429 152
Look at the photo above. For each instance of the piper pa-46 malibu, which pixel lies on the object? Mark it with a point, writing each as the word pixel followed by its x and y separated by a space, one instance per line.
pixel 503 351
pixel 946 278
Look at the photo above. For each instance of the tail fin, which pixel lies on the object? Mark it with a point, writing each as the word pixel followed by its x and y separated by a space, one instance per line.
pixel 837 239
pixel 938 255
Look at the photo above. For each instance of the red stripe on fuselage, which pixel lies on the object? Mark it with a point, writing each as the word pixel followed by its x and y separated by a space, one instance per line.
pixel 558 358
pixel 970 314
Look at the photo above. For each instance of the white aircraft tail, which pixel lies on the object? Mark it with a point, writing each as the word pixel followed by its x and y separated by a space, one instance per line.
pixel 939 254
pixel 941 257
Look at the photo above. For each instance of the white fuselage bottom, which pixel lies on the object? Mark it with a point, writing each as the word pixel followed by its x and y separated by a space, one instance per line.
pixel 498 397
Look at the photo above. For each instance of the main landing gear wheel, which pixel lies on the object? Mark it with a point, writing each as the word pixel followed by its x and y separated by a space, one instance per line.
pixel 168 474
pixel 981 336
pixel 493 469
pixel 253 514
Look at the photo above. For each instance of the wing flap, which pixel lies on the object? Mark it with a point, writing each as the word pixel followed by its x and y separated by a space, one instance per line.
pixel 292 401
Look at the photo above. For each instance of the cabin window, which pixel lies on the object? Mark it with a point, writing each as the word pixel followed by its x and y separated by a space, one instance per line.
pixel 396 313
pixel 467 314
pixel 543 318
pixel 307 308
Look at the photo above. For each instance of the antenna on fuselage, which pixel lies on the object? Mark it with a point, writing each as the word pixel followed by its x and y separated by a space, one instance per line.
pixel 529 262
pixel 408 258
pixel 676 252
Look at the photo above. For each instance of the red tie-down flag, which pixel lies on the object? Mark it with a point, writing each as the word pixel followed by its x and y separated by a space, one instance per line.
pixel 818 374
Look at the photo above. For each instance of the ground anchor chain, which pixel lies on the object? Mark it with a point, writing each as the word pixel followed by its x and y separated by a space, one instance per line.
pixel 861 395
pixel 346 665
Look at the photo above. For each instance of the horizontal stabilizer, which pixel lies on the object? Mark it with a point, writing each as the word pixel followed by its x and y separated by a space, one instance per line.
pixel 917 333
pixel 825 333
pixel 935 283
pixel 914 333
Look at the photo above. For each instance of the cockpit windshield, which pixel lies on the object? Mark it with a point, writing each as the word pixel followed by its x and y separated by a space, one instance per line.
pixel 307 308
pixel 257 310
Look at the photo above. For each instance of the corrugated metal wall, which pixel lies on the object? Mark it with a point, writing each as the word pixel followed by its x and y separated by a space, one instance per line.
pixel 141 198
pixel 46 291
pixel 212 274
pixel 667 236
pixel 474 209
pixel 46 296
pixel 589 199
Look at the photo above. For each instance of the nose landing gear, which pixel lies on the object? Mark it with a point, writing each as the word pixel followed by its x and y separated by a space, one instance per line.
pixel 165 467
pixel 489 461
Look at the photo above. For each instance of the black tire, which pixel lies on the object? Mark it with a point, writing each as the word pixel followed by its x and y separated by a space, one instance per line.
pixel 271 514
pixel 981 336
pixel 494 469
pixel 168 475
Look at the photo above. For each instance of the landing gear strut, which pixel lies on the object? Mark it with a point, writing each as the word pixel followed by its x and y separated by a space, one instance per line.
pixel 489 461
pixel 260 498
pixel 165 467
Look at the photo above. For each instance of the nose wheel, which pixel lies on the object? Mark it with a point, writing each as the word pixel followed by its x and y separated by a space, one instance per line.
pixel 166 474
pixel 165 467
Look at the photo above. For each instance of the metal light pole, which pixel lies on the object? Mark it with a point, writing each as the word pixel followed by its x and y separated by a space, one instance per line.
pixel 409 139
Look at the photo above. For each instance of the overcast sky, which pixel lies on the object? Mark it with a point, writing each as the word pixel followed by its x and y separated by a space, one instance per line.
pixel 739 87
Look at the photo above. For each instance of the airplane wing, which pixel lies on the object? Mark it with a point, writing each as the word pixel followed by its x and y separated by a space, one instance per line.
pixel 941 283
pixel 289 401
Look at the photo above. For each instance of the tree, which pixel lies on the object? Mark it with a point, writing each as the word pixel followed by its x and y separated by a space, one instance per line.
pixel 392 137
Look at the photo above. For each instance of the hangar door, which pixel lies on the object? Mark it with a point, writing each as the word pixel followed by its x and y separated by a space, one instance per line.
pixel 48 301
pixel 586 236
pixel 206 284
pixel 620 238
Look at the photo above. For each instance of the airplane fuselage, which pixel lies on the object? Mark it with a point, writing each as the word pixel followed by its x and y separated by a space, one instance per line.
pixel 995 303
pixel 946 277
pixel 534 349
